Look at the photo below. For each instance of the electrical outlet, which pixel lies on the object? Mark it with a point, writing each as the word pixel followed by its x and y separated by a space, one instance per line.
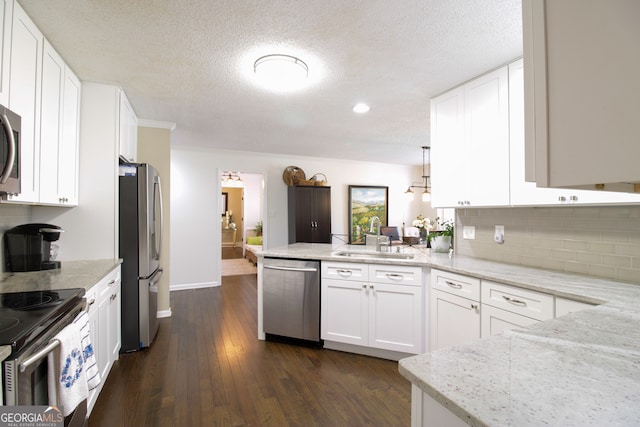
pixel 498 235
pixel 469 232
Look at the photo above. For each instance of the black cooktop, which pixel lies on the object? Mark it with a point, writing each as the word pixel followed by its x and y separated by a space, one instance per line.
pixel 25 315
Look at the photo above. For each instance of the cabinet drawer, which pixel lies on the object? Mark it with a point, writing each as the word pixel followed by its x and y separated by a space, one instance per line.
pixel 535 305
pixel 457 284
pixel 105 286
pixel 395 274
pixel 345 271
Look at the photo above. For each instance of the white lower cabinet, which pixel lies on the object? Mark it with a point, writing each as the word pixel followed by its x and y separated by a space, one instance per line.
pixel 566 306
pixel 507 307
pixel 455 309
pixel 104 322
pixel 377 306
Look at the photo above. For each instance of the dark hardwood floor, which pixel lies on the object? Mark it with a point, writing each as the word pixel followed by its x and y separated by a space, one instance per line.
pixel 207 368
pixel 229 252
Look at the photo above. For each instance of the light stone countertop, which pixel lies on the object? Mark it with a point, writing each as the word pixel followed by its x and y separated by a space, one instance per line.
pixel 72 274
pixel 582 369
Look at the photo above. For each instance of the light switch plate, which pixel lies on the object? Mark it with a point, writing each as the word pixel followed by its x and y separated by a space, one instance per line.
pixel 469 232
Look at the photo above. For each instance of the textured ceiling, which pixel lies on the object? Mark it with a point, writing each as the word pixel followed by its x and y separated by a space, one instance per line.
pixel 190 62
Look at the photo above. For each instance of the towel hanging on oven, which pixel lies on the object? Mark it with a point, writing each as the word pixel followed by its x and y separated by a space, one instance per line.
pixel 67 374
pixel 91 367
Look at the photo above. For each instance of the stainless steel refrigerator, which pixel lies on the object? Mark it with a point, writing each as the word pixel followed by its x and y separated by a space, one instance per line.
pixel 140 244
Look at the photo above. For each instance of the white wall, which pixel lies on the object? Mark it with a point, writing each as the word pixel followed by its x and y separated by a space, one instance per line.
pixel 253 199
pixel 91 228
pixel 195 229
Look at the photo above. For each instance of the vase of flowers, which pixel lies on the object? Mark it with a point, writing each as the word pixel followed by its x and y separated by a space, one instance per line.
pixel 424 225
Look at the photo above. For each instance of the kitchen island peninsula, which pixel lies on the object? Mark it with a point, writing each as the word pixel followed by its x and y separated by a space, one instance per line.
pixel 581 368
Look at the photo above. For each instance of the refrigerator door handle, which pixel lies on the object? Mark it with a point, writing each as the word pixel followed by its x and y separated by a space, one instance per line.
pixel 152 276
pixel 158 194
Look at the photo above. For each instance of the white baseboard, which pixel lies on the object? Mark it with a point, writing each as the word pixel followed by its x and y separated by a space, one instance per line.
pixel 186 286
pixel 367 351
pixel 164 313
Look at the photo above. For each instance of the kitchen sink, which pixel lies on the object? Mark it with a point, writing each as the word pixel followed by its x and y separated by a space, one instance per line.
pixel 374 255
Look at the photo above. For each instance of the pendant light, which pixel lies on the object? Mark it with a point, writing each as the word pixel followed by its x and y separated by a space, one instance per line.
pixel 426 195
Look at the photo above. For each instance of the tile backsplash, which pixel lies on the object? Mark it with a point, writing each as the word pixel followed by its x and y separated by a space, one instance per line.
pixel 599 241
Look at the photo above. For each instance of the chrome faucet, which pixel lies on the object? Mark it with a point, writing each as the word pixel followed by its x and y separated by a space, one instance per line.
pixel 373 220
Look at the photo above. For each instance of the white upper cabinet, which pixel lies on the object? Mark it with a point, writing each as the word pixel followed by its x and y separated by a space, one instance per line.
pixel 470 143
pixel 6 15
pixel 527 193
pixel 128 130
pixel 582 64
pixel 50 120
pixel 46 94
pixel 24 99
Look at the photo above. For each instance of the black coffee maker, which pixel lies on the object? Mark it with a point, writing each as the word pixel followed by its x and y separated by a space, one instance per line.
pixel 28 247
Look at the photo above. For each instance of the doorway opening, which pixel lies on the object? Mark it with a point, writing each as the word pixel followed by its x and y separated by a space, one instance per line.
pixel 241 222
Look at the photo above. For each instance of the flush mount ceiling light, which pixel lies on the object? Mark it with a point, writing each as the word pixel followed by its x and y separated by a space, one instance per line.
pixel 281 73
pixel 426 195
pixel 361 108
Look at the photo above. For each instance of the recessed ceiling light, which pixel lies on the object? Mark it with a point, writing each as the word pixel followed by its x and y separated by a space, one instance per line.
pixel 281 73
pixel 361 108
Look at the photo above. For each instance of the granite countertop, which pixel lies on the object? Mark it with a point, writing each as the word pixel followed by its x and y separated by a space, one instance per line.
pixel 582 369
pixel 72 274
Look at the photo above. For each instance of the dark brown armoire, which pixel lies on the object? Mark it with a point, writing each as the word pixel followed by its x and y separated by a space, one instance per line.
pixel 309 214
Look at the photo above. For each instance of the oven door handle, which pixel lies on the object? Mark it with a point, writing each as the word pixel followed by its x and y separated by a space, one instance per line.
pixel 53 344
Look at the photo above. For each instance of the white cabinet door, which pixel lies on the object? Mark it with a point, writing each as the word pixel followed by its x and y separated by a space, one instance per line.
pixel 113 319
pixel 449 164
pixel 345 312
pixel 470 143
pixel 528 193
pixel 128 130
pixel 582 92
pixel 495 320
pixel 24 99
pixel 102 345
pixel 53 68
pixel 69 140
pixel 486 113
pixel 395 317
pixel 6 15
pixel 95 333
pixel 454 320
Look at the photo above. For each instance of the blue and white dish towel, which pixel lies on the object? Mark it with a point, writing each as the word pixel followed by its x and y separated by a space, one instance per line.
pixel 93 374
pixel 72 366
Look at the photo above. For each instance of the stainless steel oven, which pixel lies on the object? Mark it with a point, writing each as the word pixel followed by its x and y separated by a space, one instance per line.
pixel 9 151
pixel 31 330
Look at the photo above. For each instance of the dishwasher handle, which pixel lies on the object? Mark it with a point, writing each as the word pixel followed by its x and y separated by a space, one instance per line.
pixel 303 269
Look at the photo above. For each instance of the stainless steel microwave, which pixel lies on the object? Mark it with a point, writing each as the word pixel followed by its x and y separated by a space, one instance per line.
pixel 9 152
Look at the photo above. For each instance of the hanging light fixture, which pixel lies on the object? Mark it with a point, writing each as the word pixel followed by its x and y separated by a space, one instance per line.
pixel 231 179
pixel 426 195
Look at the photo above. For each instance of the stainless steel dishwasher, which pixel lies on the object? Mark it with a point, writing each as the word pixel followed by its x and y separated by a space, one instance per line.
pixel 291 300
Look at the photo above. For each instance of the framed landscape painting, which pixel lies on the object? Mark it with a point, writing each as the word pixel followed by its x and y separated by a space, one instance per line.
pixel 365 202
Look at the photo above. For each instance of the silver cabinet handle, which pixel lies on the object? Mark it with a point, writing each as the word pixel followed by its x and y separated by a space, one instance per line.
pixel 562 199
pixel 453 284
pixel 395 276
pixel 344 273
pixel 514 301
pixel 370 286
pixel 474 306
